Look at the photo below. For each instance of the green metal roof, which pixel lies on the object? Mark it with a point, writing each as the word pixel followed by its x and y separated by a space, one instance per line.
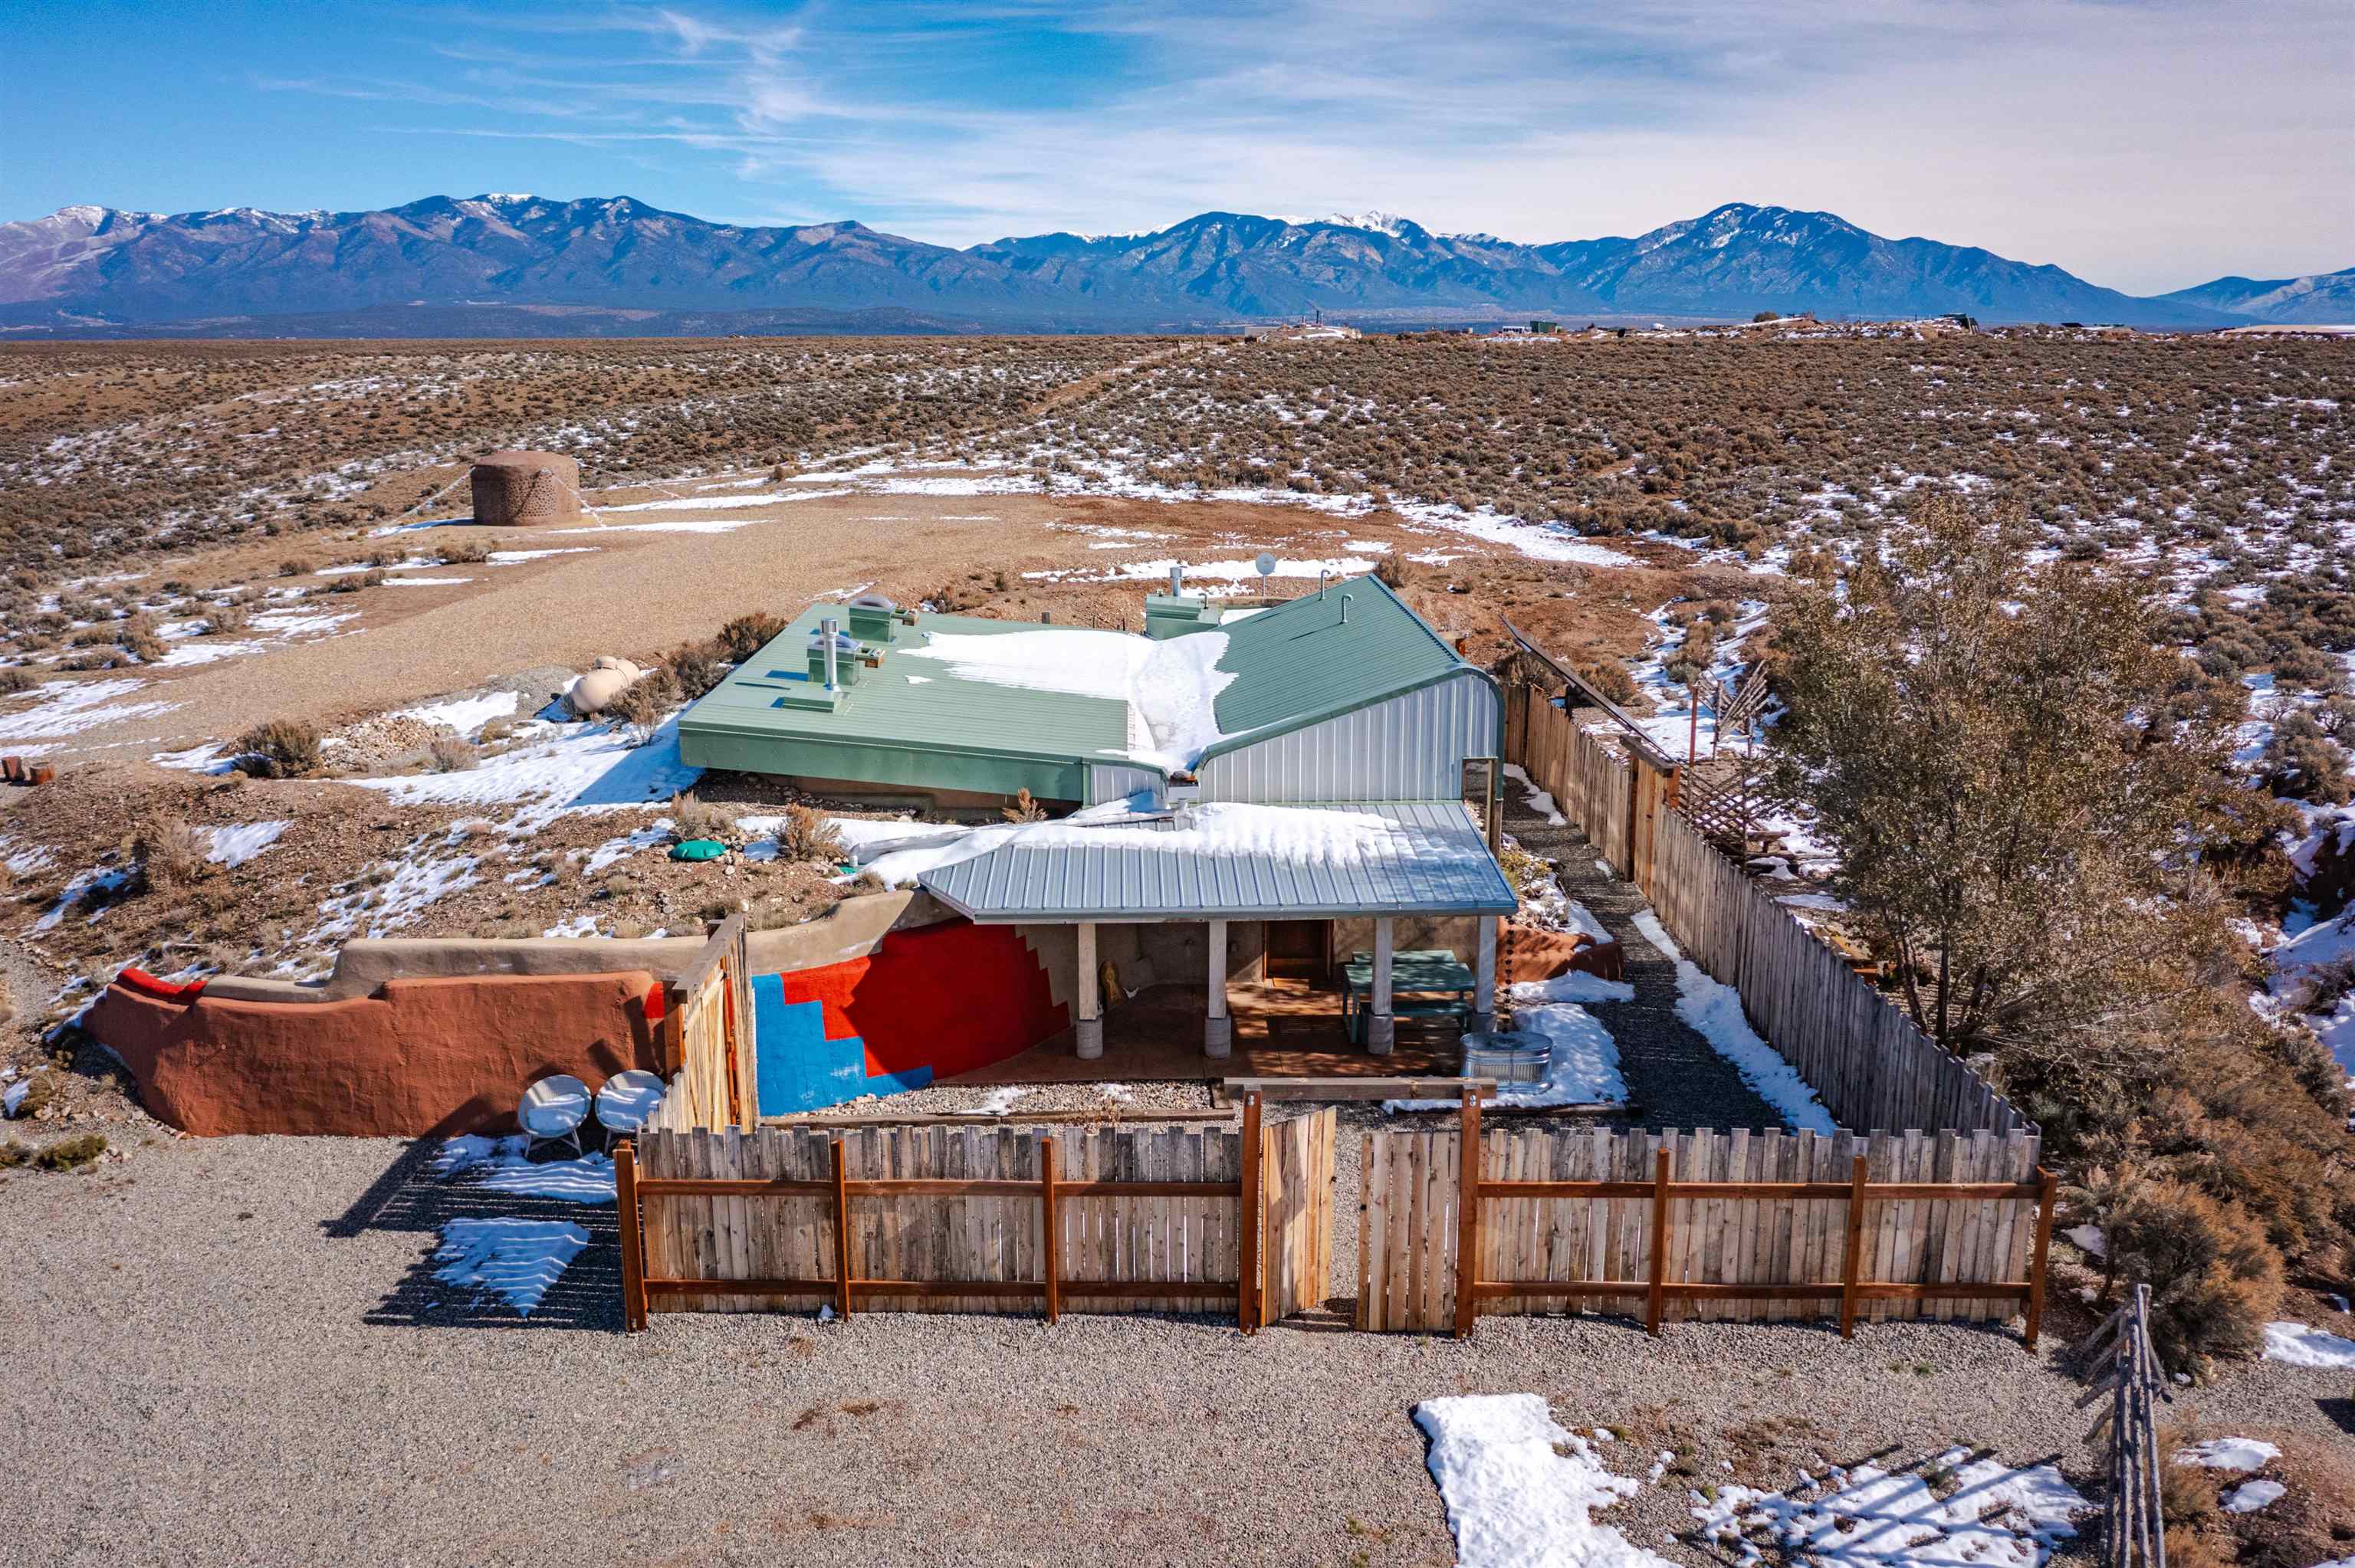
pixel 915 721
pixel 908 705
pixel 1300 662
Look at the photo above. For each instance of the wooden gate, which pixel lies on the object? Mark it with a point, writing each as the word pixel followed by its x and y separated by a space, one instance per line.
pixel 1296 1265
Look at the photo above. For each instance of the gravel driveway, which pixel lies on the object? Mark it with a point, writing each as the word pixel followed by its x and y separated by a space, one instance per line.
pixel 231 1350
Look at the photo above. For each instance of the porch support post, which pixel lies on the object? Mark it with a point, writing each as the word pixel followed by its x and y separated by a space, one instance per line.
pixel 1217 1029
pixel 1381 1027
pixel 1484 978
pixel 1088 1033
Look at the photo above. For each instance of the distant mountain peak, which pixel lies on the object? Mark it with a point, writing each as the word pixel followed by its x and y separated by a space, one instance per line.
pixel 1373 221
pixel 237 269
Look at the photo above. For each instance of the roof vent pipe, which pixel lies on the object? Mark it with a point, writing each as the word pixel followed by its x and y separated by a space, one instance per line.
pixel 1177 579
pixel 1322 572
pixel 827 630
pixel 1344 609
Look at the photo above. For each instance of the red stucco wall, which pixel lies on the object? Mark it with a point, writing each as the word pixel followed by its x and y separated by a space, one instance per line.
pixel 420 1057
pixel 950 996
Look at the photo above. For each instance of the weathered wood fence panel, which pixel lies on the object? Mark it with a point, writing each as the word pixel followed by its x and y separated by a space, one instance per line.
pixel 1737 1249
pixel 706 1041
pixel 1872 1067
pixel 988 1218
pixel 1298 1227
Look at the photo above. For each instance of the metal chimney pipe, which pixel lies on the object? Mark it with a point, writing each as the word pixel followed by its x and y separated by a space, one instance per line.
pixel 1177 579
pixel 827 630
pixel 1321 573
pixel 1344 609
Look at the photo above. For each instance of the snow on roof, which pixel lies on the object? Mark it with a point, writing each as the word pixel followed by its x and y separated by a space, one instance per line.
pixel 1120 860
pixel 1169 687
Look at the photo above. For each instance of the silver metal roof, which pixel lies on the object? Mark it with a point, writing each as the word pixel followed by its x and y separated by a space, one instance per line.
pixel 1417 857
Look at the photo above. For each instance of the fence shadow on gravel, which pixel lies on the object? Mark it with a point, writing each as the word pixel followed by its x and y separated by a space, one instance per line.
pixel 408 1198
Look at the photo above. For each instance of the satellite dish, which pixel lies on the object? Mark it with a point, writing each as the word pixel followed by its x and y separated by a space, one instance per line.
pixel 1266 564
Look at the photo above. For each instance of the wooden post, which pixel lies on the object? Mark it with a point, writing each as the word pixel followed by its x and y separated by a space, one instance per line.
pixel 1381 1027
pixel 1048 1231
pixel 1484 974
pixel 2048 1185
pixel 736 1116
pixel 633 1257
pixel 1657 1305
pixel 1218 1027
pixel 1247 1286
pixel 670 1050
pixel 841 1235
pixel 1087 1029
pixel 1852 1269
pixel 1468 1219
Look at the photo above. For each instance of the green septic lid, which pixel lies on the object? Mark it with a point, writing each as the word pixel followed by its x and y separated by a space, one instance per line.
pixel 698 849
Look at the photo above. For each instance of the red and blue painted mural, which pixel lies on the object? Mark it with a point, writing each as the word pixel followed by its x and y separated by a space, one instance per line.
pixel 928 1003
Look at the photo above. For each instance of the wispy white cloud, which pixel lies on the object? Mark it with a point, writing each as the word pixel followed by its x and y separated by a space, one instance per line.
pixel 2144 143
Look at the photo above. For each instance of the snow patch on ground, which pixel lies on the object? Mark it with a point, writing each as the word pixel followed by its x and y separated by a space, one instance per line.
pixel 1537 800
pixel 466 715
pixel 498 1165
pixel 69 707
pixel 2300 1345
pixel 2229 1454
pixel 233 846
pixel 514 1259
pixel 2250 1496
pixel 556 768
pixel 1997 1516
pixel 1715 1010
pixel 1521 1492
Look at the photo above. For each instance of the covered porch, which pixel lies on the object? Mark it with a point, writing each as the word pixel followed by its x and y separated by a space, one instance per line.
pixel 1282 1028
pixel 1266 931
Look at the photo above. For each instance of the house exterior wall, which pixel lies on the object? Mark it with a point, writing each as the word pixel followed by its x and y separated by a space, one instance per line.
pixel 1409 747
pixel 1115 781
pixel 883 767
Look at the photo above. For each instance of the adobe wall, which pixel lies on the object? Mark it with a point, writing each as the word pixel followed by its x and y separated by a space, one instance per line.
pixel 425 1057
pixel 853 928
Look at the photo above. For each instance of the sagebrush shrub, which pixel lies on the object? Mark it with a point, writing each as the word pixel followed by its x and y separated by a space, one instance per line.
pixel 699 819
pixel 169 854
pixel 806 834
pixel 646 700
pixel 2214 1279
pixel 744 636
pixel 279 748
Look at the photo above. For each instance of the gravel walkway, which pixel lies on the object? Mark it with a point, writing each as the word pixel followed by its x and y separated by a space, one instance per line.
pixel 231 1350
pixel 1674 1075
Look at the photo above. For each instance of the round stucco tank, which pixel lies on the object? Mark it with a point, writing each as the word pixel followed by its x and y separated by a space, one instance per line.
pixel 520 489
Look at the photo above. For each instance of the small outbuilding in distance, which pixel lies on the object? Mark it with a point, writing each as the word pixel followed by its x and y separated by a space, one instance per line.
pixel 522 489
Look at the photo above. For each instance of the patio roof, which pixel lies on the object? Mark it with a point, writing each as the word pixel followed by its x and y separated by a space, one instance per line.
pixel 1228 861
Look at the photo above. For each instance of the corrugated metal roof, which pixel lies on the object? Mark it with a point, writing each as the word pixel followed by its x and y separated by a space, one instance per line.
pixel 1412 857
pixel 912 703
pixel 1299 661
pixel 1294 664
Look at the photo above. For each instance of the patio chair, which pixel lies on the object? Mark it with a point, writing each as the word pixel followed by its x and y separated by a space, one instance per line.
pixel 625 1102
pixel 552 1111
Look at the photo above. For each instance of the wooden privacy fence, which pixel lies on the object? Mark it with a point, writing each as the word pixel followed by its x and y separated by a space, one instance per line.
pixel 705 1040
pixel 1727 1227
pixel 1872 1067
pixel 1129 1218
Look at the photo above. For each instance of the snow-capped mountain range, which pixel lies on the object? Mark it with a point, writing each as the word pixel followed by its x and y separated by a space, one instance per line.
pixel 516 264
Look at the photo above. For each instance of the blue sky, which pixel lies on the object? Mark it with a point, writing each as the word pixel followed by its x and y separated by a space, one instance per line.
pixel 2143 143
